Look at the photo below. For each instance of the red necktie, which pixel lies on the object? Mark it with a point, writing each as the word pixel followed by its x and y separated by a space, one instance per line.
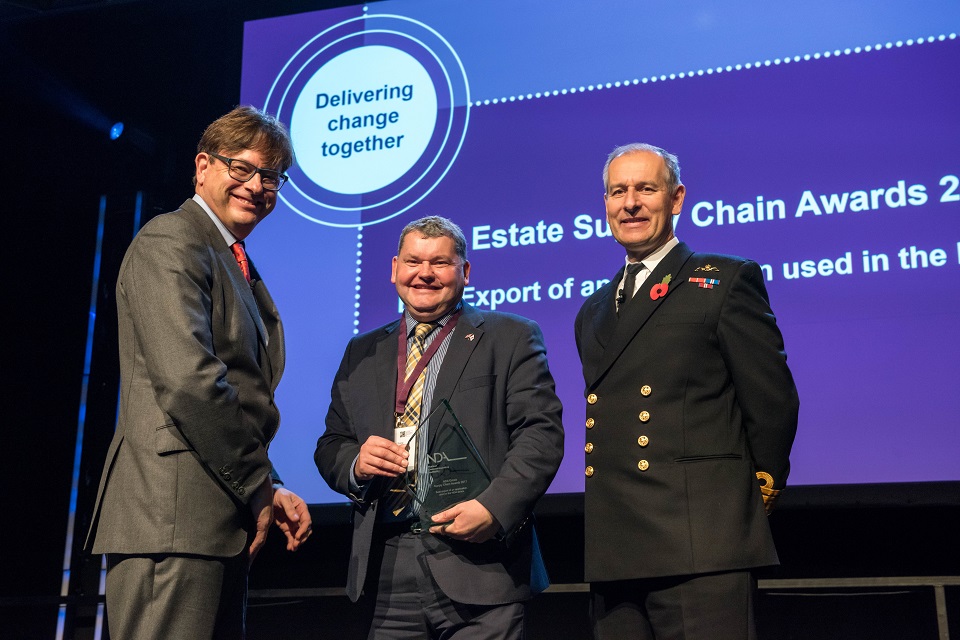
pixel 241 257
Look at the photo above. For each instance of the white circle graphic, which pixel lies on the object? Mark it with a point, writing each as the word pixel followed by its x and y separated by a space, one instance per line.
pixel 363 119
pixel 413 51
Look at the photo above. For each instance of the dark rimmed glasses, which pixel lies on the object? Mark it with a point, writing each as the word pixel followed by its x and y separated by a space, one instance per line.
pixel 243 171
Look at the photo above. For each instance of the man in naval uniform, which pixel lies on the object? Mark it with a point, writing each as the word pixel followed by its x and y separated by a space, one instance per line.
pixel 691 414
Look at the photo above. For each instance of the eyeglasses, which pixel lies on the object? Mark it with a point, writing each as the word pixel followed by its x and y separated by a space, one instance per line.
pixel 243 171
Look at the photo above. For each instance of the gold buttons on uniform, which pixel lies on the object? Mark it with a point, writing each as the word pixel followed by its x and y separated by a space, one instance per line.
pixel 588 447
pixel 644 416
pixel 643 465
pixel 592 398
pixel 643 441
pixel 588 471
pixel 590 423
pixel 645 390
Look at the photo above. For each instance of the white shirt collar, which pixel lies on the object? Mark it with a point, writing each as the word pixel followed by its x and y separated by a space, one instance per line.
pixel 652 260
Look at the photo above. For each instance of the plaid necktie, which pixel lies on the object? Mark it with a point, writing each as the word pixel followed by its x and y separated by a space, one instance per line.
pixel 396 498
pixel 411 411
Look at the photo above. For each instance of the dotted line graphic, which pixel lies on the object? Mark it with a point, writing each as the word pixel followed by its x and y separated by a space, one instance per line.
pixel 356 289
pixel 706 72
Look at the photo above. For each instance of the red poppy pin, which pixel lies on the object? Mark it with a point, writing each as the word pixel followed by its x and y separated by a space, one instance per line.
pixel 660 290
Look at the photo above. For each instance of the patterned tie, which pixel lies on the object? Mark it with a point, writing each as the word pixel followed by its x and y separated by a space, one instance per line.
pixel 411 412
pixel 397 497
pixel 241 256
pixel 629 284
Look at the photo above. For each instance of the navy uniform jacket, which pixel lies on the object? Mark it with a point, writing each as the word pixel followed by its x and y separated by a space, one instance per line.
pixel 688 397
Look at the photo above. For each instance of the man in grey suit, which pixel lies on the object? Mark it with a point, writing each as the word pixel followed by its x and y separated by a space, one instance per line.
pixel 468 575
pixel 187 493
pixel 689 404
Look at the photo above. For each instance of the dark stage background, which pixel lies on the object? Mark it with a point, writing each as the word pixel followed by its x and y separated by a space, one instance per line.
pixel 167 69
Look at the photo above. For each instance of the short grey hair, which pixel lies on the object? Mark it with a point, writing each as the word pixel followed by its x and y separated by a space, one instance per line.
pixel 673 165
pixel 436 227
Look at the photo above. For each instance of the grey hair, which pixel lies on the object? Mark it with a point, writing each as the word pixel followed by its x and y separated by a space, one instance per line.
pixel 436 227
pixel 673 165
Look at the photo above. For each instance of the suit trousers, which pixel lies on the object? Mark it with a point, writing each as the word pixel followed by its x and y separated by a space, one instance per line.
pixel 158 597
pixel 714 606
pixel 407 603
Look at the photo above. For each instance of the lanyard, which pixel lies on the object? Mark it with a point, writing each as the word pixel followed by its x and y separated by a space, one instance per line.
pixel 404 386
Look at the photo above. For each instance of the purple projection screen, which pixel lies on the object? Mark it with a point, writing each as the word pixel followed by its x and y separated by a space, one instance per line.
pixel 823 146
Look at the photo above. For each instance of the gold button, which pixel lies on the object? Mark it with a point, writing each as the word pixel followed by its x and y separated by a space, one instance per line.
pixel 643 441
pixel 590 423
pixel 645 390
pixel 589 472
pixel 588 447
pixel 644 416
pixel 643 465
pixel 592 398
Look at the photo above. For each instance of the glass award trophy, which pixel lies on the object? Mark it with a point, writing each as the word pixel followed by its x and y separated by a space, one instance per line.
pixel 454 471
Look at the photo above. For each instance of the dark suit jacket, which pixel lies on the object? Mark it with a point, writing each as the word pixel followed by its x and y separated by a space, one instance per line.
pixel 496 378
pixel 201 353
pixel 701 373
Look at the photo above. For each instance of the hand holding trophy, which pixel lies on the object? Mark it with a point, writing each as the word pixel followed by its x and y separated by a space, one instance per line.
pixel 454 470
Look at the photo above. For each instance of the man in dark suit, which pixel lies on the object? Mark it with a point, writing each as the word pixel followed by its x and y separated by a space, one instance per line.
pixel 689 403
pixel 187 492
pixel 468 575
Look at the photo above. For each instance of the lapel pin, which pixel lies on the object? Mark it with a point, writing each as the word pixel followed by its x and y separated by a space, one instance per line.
pixel 469 337
pixel 660 290
pixel 707 267
pixel 705 283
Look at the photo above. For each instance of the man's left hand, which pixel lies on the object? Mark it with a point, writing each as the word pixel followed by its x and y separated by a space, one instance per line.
pixel 292 517
pixel 468 521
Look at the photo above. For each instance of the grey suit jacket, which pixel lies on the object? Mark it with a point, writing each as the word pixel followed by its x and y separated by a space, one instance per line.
pixel 201 353
pixel 688 396
pixel 496 378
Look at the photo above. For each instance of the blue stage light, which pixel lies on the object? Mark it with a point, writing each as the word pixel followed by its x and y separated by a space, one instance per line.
pixel 116 130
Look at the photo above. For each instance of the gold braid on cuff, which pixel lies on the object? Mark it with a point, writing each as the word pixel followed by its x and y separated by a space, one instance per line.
pixel 767 491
